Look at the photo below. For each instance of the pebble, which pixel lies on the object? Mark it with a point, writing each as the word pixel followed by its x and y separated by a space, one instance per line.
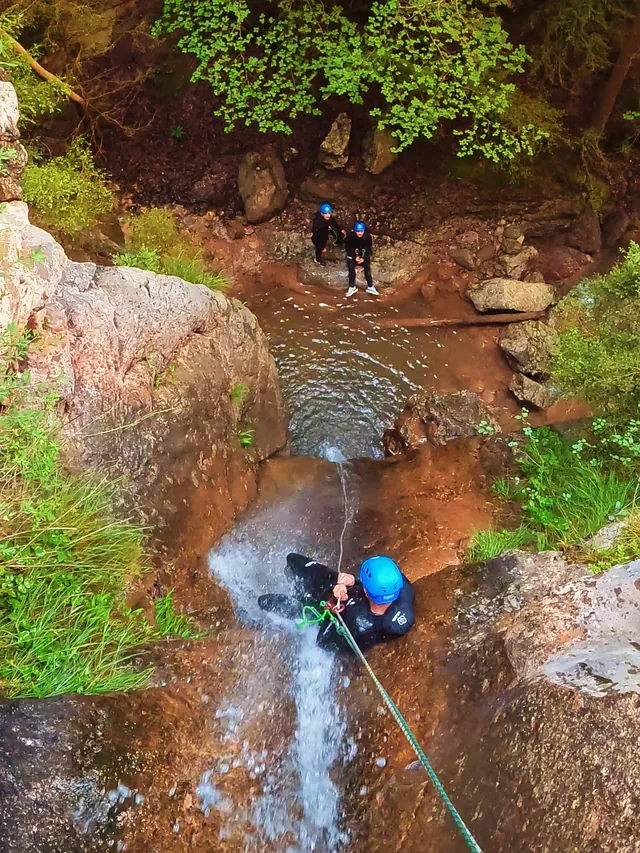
pixel 381 762
pixel 363 790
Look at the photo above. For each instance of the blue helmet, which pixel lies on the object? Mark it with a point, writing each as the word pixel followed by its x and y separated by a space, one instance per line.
pixel 381 579
pixel 326 208
pixel 360 227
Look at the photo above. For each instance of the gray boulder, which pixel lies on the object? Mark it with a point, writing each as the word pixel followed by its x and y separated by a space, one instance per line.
pixel 528 346
pixel 333 153
pixel 377 151
pixel 262 184
pixel 465 258
pixel 505 294
pixel 517 266
pixel 527 390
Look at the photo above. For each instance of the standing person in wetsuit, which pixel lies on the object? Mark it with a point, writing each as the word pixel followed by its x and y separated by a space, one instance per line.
pixel 358 249
pixel 324 224
pixel 378 606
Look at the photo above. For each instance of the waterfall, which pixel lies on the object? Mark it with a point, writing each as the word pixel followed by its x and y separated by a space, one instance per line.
pixel 298 807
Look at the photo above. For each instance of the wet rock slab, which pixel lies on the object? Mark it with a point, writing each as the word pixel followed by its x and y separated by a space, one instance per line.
pixel 521 682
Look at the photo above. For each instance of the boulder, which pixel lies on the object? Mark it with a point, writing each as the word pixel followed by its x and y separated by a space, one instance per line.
pixel 438 418
pixel 615 226
pixel 377 151
pixel 536 682
pixel 336 189
pixel 333 153
pixel 13 157
pixel 527 390
pixel 465 258
pixel 512 240
pixel 505 294
pixel 108 336
pixel 517 265
pixel 528 346
pixel 551 217
pixel 563 262
pixel 585 234
pixel 262 184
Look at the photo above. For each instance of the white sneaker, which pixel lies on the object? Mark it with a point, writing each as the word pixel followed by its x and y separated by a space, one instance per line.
pixel 373 290
pixel 351 291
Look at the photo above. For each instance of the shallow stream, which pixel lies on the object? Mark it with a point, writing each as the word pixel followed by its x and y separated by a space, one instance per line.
pixel 345 381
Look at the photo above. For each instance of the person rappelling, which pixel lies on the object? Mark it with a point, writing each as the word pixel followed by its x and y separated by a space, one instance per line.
pixel 325 227
pixel 376 608
pixel 358 246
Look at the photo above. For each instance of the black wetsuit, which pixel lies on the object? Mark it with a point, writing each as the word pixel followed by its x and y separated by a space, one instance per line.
pixel 314 582
pixel 358 247
pixel 320 230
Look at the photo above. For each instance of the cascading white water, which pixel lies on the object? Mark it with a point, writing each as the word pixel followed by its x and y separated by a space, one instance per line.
pixel 297 808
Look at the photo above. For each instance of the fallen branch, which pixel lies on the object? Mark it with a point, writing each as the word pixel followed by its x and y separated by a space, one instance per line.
pixel 480 320
pixel 42 72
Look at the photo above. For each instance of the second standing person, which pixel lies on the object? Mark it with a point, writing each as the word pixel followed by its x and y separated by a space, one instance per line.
pixel 358 245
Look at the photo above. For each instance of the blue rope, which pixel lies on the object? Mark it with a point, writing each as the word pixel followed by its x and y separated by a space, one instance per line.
pixel 338 621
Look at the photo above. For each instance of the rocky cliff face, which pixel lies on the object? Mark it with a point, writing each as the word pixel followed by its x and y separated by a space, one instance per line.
pixel 157 376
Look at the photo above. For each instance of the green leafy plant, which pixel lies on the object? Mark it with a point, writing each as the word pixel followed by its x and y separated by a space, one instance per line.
pixel 598 350
pixel 7 156
pixel 246 436
pixel 239 392
pixel 69 192
pixel 143 258
pixel 171 624
pixel 37 98
pixel 65 560
pixel 421 65
pixel 178 132
pixel 154 242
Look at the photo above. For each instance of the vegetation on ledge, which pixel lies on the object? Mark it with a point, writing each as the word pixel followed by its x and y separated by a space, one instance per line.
pixel 66 561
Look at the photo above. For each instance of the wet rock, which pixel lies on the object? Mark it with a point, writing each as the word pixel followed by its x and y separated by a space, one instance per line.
pixel 334 147
pixel 486 252
pixel 553 216
pixel 438 418
pixel 547 655
pixel 290 245
pixel 528 346
pixel 235 229
pixel 585 234
pixel 529 391
pixel 517 265
pixel 377 151
pixel 615 227
pixel 14 156
pixel 465 258
pixel 337 189
pixel 512 240
pixel 262 184
pixel 563 262
pixel 505 294
pixel 393 264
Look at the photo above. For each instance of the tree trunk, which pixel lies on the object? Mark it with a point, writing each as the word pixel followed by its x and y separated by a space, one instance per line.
pixel 480 320
pixel 629 50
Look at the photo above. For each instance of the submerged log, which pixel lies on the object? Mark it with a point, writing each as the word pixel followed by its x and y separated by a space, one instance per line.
pixel 480 320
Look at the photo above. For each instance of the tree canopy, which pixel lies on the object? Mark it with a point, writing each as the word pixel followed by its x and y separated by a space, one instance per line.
pixel 419 63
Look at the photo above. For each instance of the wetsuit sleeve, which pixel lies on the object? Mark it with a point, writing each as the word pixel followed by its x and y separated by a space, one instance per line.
pixel 369 245
pixel 315 579
pixel 317 224
pixel 400 618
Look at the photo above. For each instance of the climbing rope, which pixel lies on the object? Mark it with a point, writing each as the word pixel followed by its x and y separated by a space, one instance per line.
pixel 311 616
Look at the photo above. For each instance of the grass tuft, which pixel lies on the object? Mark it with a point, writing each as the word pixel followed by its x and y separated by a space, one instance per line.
pixel 172 624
